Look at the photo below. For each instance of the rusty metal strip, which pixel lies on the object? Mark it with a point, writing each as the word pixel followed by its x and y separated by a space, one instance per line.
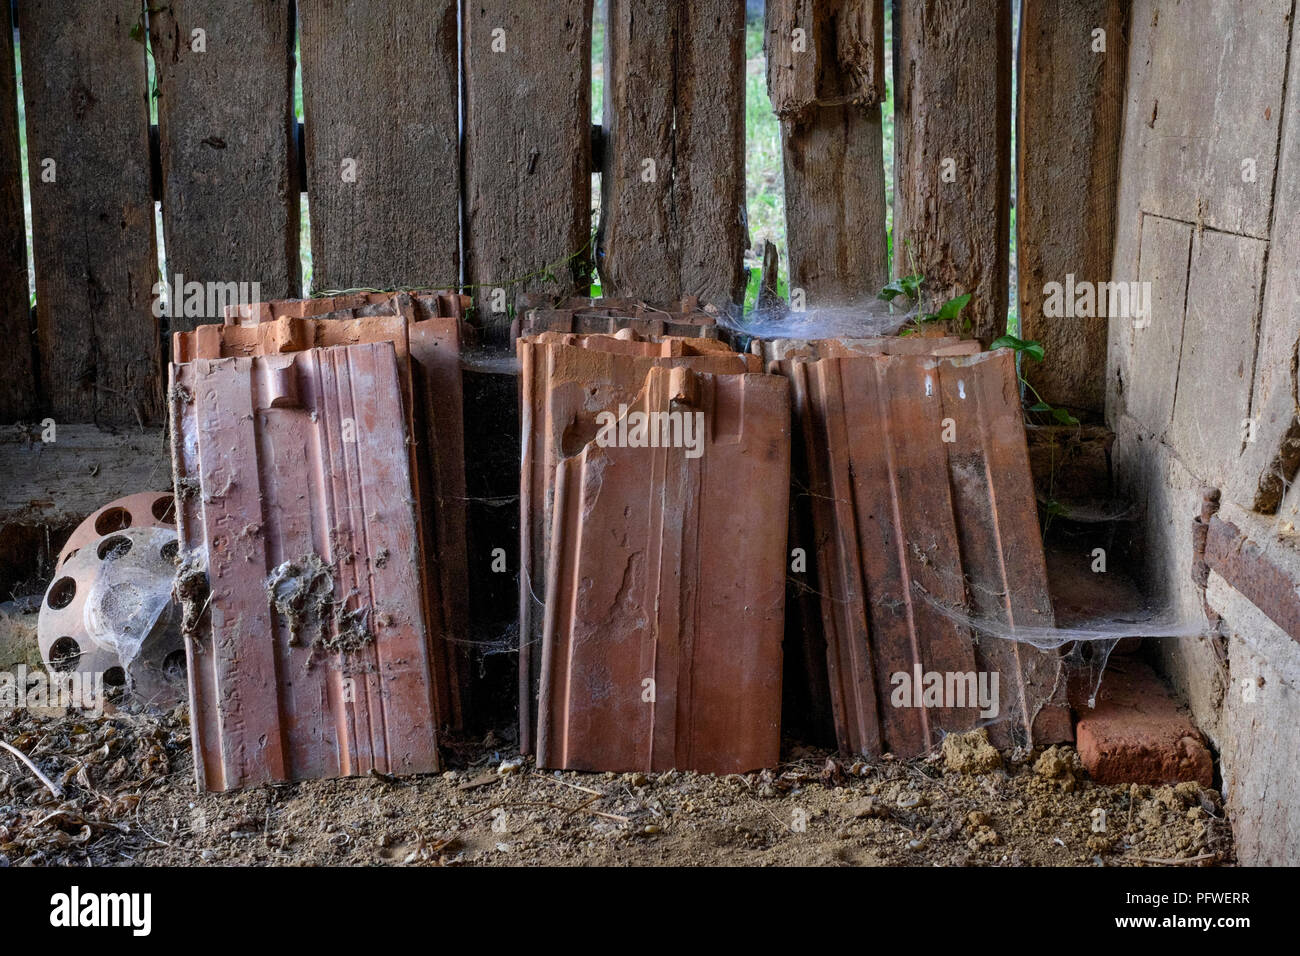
pixel 665 600
pixel 565 381
pixel 1248 569
pixel 899 512
pixel 277 459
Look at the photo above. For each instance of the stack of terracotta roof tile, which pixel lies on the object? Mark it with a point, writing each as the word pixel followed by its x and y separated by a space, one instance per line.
pixel 923 513
pixel 317 452
pixel 652 587
pixel 541 313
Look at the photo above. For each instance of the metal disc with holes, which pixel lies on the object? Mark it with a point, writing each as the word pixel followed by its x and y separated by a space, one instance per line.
pixel 147 509
pixel 111 599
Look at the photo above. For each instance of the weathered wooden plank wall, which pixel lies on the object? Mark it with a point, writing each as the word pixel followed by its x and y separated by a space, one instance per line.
pixel 673 184
pixel 228 139
pixel 395 194
pixel 527 103
pixel 952 139
pixel 86 93
pixel 18 382
pixel 380 87
pixel 1070 117
pixel 825 70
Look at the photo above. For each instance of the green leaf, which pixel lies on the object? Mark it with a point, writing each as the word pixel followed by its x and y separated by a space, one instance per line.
pixel 952 308
pixel 1028 347
pixel 137 32
pixel 909 286
pixel 1040 407
pixel 1064 417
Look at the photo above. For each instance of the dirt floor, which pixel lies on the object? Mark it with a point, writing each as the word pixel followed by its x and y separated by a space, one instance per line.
pixel 129 798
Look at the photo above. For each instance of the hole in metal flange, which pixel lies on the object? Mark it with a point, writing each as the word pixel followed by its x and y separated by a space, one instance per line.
pixel 61 593
pixel 174 666
pixel 110 549
pixel 115 677
pixel 170 550
pixel 64 654
pixel 114 519
pixel 164 509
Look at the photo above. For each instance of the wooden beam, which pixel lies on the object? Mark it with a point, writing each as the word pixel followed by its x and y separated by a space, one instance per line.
pixel 87 99
pixel 380 91
pixel 826 81
pixel 673 189
pixel 952 168
pixel 1070 117
pixel 228 141
pixel 527 149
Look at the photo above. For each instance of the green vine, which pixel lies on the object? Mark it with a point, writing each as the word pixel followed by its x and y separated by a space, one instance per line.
pixel 1034 351
pixel 909 287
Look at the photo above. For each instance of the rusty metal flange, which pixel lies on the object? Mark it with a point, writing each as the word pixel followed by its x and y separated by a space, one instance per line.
pixel 109 610
pixel 146 509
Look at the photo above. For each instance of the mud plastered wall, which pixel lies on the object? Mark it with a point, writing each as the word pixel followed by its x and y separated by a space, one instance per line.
pixel 1201 390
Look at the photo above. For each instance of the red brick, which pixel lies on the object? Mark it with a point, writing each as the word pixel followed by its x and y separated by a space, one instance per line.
pixel 1138 732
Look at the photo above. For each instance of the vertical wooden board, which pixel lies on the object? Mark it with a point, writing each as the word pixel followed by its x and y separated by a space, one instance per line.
pixel 673 185
pixel 18 383
pixel 709 167
pixel 638 249
pixel 85 90
pixel 952 115
pixel 825 80
pixel 1212 402
pixel 1155 345
pixel 228 139
pixel 527 103
pixel 1270 463
pixel 824 52
pixel 1203 106
pixel 792 53
pixel 1070 118
pixel 380 89
pixel 835 204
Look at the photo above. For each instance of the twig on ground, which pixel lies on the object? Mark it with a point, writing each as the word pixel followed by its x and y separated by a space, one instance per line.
pixel 1189 859
pixel 565 783
pixel 50 784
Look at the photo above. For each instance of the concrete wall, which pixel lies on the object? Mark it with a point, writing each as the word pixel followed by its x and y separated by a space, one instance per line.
pixel 1203 393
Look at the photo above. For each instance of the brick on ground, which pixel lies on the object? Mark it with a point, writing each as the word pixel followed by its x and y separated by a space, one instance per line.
pixel 1139 733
